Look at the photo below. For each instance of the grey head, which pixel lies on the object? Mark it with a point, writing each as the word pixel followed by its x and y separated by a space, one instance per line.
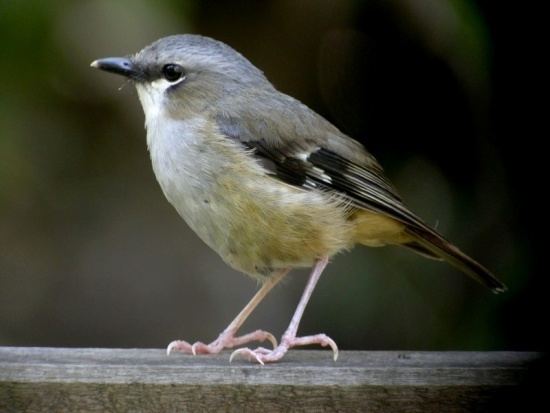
pixel 187 71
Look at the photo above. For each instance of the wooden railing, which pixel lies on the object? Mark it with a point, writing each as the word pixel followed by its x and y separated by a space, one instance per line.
pixel 143 380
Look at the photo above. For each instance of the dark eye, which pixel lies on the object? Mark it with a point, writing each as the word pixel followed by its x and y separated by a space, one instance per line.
pixel 172 72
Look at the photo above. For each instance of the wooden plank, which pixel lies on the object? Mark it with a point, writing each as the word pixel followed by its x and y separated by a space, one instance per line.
pixel 59 379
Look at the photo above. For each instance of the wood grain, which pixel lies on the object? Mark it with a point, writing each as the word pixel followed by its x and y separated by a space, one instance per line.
pixel 94 380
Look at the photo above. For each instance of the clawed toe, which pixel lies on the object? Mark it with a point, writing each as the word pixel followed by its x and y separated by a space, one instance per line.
pixel 179 346
pixel 196 348
pixel 225 340
pixel 263 355
pixel 249 353
pixel 321 339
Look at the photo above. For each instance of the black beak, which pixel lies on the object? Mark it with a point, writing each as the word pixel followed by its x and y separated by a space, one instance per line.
pixel 119 65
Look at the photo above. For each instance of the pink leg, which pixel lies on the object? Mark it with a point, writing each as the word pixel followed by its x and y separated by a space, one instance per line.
pixel 289 339
pixel 227 338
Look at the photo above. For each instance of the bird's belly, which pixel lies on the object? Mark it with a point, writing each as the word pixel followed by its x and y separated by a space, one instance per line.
pixel 258 225
pixel 276 226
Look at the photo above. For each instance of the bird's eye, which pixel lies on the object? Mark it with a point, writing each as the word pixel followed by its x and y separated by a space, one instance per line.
pixel 172 72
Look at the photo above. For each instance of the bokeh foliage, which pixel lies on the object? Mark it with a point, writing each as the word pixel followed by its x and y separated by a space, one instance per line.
pixel 92 255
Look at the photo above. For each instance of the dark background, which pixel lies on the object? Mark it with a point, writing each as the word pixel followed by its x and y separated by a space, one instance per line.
pixel 441 92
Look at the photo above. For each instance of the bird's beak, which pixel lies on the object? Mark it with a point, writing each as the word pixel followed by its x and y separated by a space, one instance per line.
pixel 120 65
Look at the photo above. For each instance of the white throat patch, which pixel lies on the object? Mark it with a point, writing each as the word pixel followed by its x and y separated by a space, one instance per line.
pixel 152 95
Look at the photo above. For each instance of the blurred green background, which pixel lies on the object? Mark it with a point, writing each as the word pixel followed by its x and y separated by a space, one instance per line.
pixel 91 254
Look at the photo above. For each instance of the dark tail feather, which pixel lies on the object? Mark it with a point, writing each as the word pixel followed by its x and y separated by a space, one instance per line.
pixel 432 245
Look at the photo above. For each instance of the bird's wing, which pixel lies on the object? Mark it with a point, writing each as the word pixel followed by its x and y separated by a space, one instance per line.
pixel 305 150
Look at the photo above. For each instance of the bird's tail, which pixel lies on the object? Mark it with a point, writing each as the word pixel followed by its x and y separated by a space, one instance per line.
pixel 433 245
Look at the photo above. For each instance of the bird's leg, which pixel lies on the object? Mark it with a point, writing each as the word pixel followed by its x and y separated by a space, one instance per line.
pixel 227 338
pixel 289 339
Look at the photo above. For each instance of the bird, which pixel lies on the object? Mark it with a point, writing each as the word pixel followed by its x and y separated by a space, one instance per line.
pixel 265 181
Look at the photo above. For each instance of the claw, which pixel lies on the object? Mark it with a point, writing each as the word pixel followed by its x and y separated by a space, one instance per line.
pixel 248 352
pixel 258 359
pixel 236 352
pixel 272 339
pixel 334 348
pixel 177 345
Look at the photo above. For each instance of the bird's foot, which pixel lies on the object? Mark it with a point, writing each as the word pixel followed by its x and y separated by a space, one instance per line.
pixel 263 355
pixel 226 339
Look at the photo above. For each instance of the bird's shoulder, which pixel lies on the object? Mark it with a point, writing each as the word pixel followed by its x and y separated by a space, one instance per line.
pixel 283 123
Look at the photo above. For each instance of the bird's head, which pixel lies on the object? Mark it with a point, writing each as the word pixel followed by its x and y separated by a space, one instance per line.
pixel 184 74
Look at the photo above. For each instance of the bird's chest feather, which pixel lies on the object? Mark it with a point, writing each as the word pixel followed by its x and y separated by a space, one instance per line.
pixel 256 223
pixel 188 163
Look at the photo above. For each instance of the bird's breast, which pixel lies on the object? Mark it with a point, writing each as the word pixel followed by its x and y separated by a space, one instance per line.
pixel 186 167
